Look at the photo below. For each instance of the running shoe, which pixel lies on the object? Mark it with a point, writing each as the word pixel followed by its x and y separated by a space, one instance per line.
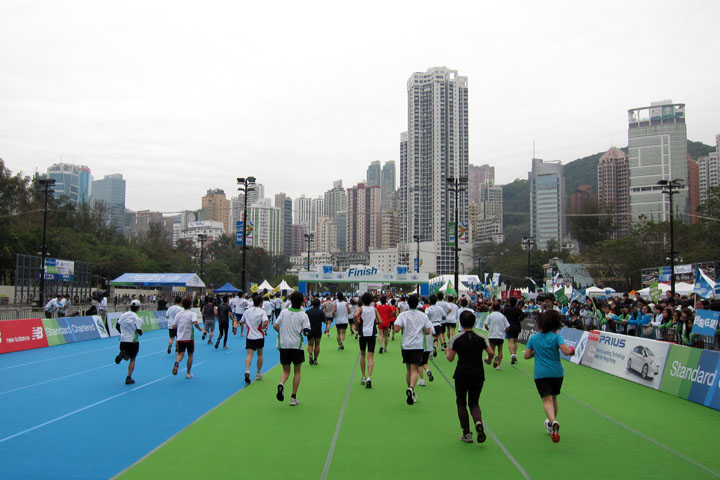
pixel 497 368
pixel 481 437
pixel 175 368
pixel 421 382
pixel 119 357
pixel 430 376
pixel 386 349
pixel 169 349
pixel 381 349
pixel 414 397
pixel 188 376
pixel 217 344
pixel 495 362
pixel 466 437
pixel 434 351
pixel 280 392
pixel 294 402
pixel 258 376
pixel 555 434
pixel 513 361
pixel 548 427
pixel 204 335
pixel 368 383
pixel 210 342
pixel 363 381
pixel 129 381
pixel 247 377
pixel 409 394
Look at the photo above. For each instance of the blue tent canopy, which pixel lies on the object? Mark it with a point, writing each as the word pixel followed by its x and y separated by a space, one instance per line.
pixel 227 288
pixel 158 280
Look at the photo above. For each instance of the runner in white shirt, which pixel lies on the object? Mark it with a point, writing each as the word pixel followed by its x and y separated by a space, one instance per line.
pixel 277 305
pixel 269 308
pixel 427 351
pixel 172 325
pixel 436 315
pixel 367 318
pixel 341 313
pixel 186 321
pixel 463 308
pixel 415 325
pixel 130 327
pixel 451 319
pixel 445 309
pixel 291 325
pixel 497 325
pixel 257 322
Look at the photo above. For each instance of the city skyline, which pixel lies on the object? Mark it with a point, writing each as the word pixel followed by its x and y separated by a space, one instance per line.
pixel 178 109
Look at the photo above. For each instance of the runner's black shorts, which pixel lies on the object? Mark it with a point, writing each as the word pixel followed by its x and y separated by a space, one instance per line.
pixel 131 348
pixel 412 357
pixel 183 345
pixel 548 386
pixel 514 332
pixel 369 343
pixel 316 334
pixel 496 342
pixel 254 344
pixel 426 358
pixel 438 329
pixel 172 332
pixel 341 326
pixel 291 355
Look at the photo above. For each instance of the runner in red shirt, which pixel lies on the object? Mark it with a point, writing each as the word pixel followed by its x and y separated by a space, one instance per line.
pixel 386 316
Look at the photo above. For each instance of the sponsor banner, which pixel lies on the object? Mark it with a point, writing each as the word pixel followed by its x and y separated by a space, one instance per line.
pixel 16 335
pixel 636 359
pixel 77 329
pixel 529 328
pixel 53 332
pixel 574 338
pixel 505 294
pixel 161 319
pixel 706 322
pixel 112 319
pixel 480 318
pixel 692 374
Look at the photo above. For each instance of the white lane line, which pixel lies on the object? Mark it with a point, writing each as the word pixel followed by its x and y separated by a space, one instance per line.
pixel 632 430
pixel 487 429
pixel 87 407
pixel 114 347
pixel 70 375
pixel 328 460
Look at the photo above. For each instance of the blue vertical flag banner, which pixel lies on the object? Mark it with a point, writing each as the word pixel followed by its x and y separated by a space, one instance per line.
pixel 462 233
pixel 706 322
pixel 451 234
pixel 249 233
pixel 704 287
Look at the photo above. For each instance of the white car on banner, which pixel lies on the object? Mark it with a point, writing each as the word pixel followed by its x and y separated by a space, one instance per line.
pixel 639 360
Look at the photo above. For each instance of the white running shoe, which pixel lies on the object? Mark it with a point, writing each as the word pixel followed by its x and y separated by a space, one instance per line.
pixel 293 402
pixel 421 382
pixel 414 397
pixel 548 426
pixel 363 381
pixel 188 375
pixel 258 376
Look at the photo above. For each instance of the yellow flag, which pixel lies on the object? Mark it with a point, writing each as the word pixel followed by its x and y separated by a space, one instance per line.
pixel 254 288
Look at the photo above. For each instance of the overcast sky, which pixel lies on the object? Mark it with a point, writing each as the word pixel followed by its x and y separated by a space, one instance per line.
pixel 182 96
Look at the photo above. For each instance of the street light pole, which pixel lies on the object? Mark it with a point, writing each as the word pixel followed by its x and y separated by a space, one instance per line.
pixel 457 185
pixel 667 188
pixel 47 184
pixel 245 186
pixel 308 238
pixel 202 237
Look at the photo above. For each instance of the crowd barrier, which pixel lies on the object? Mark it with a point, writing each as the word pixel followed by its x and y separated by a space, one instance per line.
pixel 28 333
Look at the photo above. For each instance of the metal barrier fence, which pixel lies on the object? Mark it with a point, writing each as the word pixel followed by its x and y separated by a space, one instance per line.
pixel 75 310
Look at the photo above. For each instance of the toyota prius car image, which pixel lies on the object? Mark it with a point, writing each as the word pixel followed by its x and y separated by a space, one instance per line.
pixel 643 361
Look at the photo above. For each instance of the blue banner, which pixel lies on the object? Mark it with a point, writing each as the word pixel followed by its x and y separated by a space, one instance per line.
pixel 706 322
pixel 703 287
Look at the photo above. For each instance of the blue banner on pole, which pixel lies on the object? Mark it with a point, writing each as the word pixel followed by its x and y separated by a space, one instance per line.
pixel 706 322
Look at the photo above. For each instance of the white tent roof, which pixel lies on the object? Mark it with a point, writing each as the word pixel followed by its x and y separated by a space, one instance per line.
pixel 680 287
pixel 264 285
pixel 284 286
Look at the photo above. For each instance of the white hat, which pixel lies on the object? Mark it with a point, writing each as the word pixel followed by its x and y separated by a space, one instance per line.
pixel 135 303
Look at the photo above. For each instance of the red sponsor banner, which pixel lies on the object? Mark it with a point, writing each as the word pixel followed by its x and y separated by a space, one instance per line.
pixel 24 334
pixel 505 294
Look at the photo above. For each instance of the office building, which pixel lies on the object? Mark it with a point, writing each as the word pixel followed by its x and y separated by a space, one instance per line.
pixel 302 211
pixel 373 174
pixel 437 149
pixel 614 189
pixel 476 177
pixel 387 186
pixel 284 203
pixel 72 182
pixel 267 226
pixel 709 172
pixel 547 203
pixel 326 235
pixel 297 239
pixel 110 190
pixel 657 151
pixel 335 200
pixel 341 228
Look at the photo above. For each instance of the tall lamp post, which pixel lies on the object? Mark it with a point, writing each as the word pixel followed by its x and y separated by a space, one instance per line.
pixel 245 185
pixel 202 238
pixel 308 239
pixel 527 243
pixel 667 188
pixel 457 185
pixel 47 184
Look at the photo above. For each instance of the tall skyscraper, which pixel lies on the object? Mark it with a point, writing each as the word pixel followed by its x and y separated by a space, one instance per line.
pixel 387 185
pixel 326 235
pixel 335 200
pixel 614 189
pixel 317 212
pixel 364 222
pixel 709 172
pixel 657 145
pixel 373 174
pixel 437 149
pixel 297 239
pixel 547 203
pixel 476 177
pixel 284 203
pixel 110 190
pixel 489 224
pixel 341 228
pixel 266 220
pixel 693 186
pixel 74 182
pixel 217 208
pixel 302 211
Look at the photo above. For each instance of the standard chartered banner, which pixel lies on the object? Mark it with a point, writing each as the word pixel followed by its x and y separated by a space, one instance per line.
pixel 692 374
pixel 636 359
pixel 577 339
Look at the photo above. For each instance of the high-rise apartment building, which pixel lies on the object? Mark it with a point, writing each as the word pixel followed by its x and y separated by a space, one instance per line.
pixel 489 224
pixel 297 238
pixel 547 203
pixel 364 222
pixel 390 231
pixel 73 182
pixel 657 150
pixel 476 177
pixel 709 172
pixel 341 228
pixel 581 197
pixel 335 200
pixel 267 226
pixel 373 174
pixel 217 208
pixel 317 211
pixel 387 185
pixel 437 149
pixel 613 176
pixel 284 203
pixel 326 235
pixel 110 190
pixel 302 211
